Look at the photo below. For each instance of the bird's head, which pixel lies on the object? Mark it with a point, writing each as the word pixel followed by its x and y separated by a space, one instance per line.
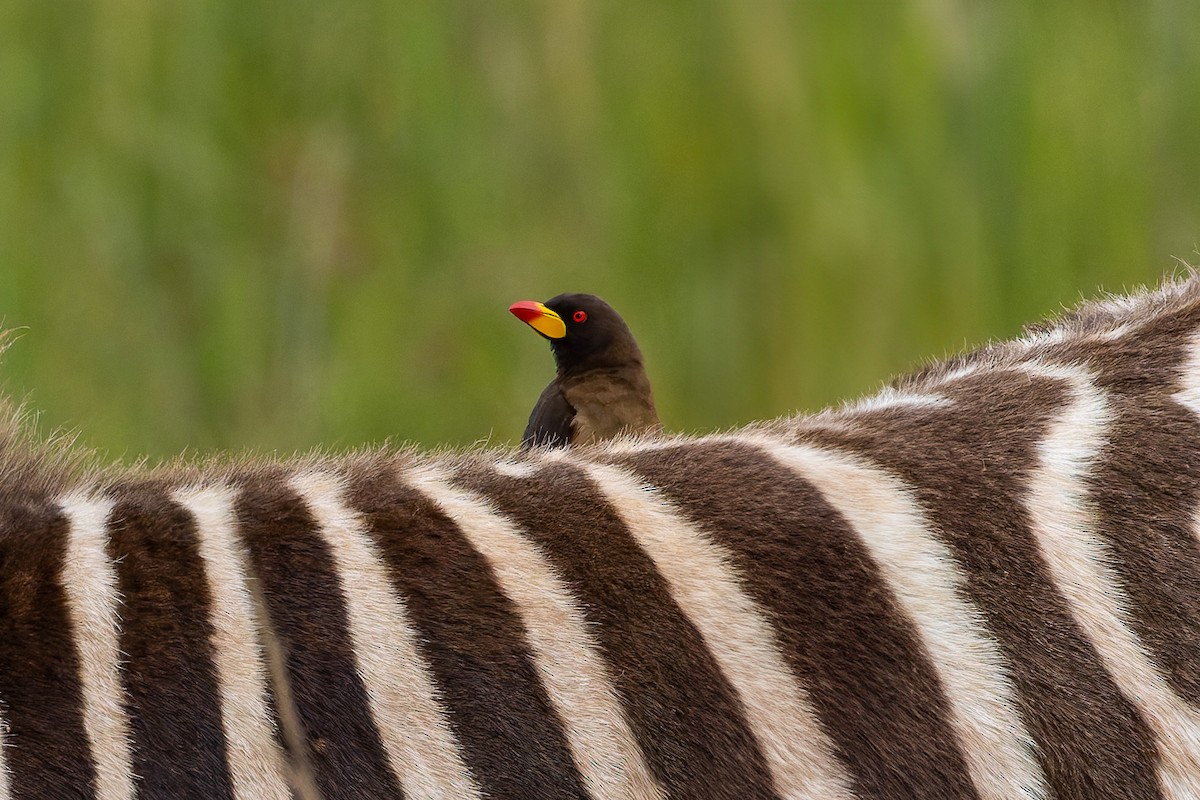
pixel 584 331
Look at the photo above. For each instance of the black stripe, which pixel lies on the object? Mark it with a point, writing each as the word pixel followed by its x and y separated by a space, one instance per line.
pixel 474 642
pixel 839 627
pixel 170 681
pixel 968 465
pixel 684 713
pixel 1147 491
pixel 46 747
pixel 307 611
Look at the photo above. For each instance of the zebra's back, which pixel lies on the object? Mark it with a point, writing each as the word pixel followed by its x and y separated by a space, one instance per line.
pixel 983 583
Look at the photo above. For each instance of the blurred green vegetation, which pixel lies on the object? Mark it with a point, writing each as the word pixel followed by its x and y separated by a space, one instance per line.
pixel 244 224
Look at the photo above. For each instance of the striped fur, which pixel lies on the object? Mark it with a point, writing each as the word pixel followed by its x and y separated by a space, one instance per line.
pixel 90 581
pixel 982 583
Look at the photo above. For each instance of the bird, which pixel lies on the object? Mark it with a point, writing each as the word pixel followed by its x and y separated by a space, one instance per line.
pixel 600 389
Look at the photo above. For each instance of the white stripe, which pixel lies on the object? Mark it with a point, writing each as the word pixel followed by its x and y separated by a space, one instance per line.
pixel 1077 557
pixel 958 373
pixel 565 653
pixel 407 711
pixel 256 763
pixel 923 577
pixel 704 583
pixel 514 469
pixel 1188 396
pixel 891 398
pixel 1045 337
pixel 627 446
pixel 89 581
pixel 1189 380
pixel 5 779
pixel 1116 333
pixel 846 417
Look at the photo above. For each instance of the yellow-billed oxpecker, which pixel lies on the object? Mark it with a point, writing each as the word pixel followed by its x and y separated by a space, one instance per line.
pixel 601 389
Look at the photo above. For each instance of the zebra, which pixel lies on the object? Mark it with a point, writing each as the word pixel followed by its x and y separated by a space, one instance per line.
pixel 982 582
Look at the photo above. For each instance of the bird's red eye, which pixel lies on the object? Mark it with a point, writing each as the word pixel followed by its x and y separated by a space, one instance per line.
pixel 579 316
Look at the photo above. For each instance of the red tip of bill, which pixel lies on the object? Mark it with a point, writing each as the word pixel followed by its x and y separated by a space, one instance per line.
pixel 526 310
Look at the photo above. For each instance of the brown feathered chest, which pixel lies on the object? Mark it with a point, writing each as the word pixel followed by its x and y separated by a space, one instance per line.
pixel 610 402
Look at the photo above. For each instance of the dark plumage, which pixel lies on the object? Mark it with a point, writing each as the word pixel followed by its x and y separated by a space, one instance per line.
pixel 601 389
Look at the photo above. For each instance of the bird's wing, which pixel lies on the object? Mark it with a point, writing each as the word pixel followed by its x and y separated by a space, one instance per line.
pixel 550 420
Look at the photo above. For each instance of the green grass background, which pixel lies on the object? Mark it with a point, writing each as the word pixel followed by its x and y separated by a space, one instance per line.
pixel 271 225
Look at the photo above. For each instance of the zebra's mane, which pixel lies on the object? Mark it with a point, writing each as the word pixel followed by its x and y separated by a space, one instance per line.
pixel 1108 317
pixel 38 467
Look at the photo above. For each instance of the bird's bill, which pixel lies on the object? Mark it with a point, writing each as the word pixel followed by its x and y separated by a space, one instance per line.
pixel 540 318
